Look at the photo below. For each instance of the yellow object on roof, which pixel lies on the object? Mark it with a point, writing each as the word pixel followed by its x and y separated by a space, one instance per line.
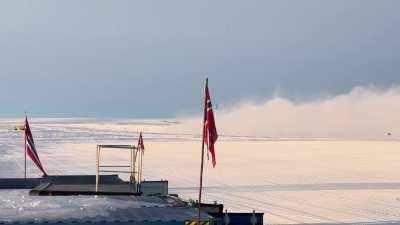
pixel 19 127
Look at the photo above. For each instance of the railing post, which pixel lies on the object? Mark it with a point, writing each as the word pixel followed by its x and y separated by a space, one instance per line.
pixel 97 167
pixel 253 219
pixel 226 218
pixel 134 169
pixel 130 166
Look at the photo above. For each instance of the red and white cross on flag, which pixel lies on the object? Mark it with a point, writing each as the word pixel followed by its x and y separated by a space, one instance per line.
pixel 30 148
pixel 210 130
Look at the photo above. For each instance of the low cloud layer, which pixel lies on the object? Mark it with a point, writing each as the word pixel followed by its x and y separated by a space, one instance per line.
pixel 364 113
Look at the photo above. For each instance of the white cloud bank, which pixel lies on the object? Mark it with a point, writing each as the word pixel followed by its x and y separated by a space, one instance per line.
pixel 364 113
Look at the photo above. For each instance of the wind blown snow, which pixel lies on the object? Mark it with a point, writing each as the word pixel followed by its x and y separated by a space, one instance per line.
pixel 364 113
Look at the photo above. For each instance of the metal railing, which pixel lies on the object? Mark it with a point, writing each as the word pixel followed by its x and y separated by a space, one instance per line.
pixel 132 165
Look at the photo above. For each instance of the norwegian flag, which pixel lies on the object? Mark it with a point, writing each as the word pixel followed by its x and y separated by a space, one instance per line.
pixel 210 130
pixel 30 148
pixel 140 144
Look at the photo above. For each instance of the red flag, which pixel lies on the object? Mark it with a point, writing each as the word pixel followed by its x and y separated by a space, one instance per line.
pixel 210 130
pixel 30 148
pixel 140 144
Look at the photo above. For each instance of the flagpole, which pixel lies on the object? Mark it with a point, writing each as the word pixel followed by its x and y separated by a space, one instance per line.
pixel 141 157
pixel 202 154
pixel 25 158
pixel 26 118
pixel 141 166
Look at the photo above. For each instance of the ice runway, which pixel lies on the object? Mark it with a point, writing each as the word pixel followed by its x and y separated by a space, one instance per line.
pixel 292 182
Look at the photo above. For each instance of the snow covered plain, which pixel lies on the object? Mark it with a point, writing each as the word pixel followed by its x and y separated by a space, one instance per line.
pixel 291 181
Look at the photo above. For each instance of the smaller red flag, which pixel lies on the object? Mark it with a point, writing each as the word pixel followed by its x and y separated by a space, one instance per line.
pixel 210 130
pixel 140 144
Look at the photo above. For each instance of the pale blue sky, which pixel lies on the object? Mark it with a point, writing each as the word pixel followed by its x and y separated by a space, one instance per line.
pixel 149 58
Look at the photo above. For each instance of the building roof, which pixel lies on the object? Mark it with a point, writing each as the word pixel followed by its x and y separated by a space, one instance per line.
pixel 16 206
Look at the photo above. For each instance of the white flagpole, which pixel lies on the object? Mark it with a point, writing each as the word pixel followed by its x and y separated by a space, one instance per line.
pixel 202 156
pixel 141 166
pixel 26 119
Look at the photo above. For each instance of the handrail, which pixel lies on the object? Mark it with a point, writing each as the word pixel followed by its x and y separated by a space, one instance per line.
pixel 118 146
pixel 115 171
pixel 132 164
pixel 115 166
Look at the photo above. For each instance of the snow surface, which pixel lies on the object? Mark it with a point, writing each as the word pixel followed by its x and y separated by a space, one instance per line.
pixel 291 181
pixel 17 205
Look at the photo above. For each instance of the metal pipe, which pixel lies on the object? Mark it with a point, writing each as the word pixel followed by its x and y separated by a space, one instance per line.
pixel 97 167
pixel 114 171
pixel 134 169
pixel 117 146
pixel 115 166
pixel 130 166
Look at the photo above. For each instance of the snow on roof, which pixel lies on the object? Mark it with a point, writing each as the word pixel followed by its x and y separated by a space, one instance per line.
pixel 18 206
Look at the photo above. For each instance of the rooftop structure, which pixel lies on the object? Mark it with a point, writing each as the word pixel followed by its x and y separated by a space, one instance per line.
pixel 134 171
